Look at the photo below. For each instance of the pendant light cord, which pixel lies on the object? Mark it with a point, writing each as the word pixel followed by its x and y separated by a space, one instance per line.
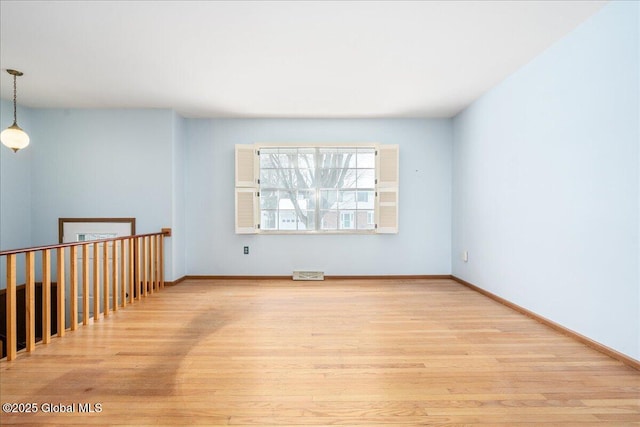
pixel 15 116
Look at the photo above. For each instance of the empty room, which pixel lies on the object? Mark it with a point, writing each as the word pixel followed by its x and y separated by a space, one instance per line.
pixel 283 213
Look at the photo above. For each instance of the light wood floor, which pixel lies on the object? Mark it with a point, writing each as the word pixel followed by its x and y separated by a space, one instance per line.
pixel 280 353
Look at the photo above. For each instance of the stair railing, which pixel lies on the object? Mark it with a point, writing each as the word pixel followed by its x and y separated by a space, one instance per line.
pixel 92 279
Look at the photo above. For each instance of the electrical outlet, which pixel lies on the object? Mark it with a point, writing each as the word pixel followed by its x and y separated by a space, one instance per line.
pixel 465 256
pixel 246 250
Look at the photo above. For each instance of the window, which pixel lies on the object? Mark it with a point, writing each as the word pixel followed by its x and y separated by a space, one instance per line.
pixel 316 189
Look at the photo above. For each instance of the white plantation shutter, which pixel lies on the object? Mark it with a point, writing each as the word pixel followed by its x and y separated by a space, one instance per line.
pixel 246 192
pixel 387 221
pixel 246 210
pixel 387 179
pixel 387 166
pixel 246 166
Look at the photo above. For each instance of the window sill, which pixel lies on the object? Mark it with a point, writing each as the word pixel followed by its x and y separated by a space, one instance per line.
pixel 316 232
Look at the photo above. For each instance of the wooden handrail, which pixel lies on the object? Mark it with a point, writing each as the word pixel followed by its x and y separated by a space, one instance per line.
pixel 164 233
pixel 129 271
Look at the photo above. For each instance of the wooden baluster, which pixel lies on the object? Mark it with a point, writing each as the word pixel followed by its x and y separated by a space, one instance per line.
pixel 147 242
pixel 46 296
pixel 145 265
pixel 114 274
pixel 105 280
pixel 138 260
pixel 73 273
pixel 152 266
pixel 96 282
pixel 123 275
pixel 158 275
pixel 30 301
pixel 150 262
pixel 132 270
pixel 156 268
pixel 85 284
pixel 157 244
pixel 162 261
pixel 61 294
pixel 12 341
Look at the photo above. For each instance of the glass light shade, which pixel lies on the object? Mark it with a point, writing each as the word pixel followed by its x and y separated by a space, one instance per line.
pixel 14 137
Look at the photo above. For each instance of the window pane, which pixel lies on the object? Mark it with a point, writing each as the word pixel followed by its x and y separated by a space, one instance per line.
pixel 268 220
pixel 348 157
pixel 288 178
pixel 350 178
pixel 307 199
pixel 286 199
pixel 305 178
pixel 270 178
pixel 268 199
pixel 333 178
pixel 307 158
pixel 347 200
pixel 308 221
pixel 280 161
pixel 329 220
pixel 287 220
pixel 366 178
pixel 366 200
pixel 338 178
pixel 328 158
pixel 332 158
pixel 365 220
pixel 266 157
pixel 366 158
pixel 328 199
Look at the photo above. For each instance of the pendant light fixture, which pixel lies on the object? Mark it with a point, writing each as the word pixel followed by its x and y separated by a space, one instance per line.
pixel 14 137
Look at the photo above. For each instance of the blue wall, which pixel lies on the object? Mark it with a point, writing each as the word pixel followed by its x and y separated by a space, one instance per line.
pixel 421 247
pixel 545 187
pixel 101 163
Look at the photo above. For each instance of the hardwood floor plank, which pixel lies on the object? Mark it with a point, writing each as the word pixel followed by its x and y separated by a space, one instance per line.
pixel 341 352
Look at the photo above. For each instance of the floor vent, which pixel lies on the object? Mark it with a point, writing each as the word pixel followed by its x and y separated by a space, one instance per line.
pixel 308 275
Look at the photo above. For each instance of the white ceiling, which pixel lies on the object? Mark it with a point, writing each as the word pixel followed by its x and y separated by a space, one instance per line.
pixel 274 59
